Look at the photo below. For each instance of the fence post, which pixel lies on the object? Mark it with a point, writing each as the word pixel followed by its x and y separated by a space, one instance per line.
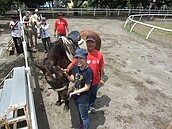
pixel 150 32
pixel 129 11
pixel 118 13
pixel 81 11
pixel 94 12
pixel 106 12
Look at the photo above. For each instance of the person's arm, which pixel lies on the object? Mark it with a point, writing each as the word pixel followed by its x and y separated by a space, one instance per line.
pixel 10 25
pixel 69 67
pixel 69 77
pixel 55 29
pixel 67 28
pixel 102 76
pixel 85 88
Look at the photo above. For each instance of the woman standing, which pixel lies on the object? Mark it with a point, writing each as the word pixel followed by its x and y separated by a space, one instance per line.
pixel 45 36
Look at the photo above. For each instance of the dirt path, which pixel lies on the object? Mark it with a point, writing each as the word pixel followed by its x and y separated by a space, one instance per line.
pixel 137 94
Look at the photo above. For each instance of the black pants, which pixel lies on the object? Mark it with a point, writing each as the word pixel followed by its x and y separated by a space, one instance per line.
pixel 18 44
pixel 46 42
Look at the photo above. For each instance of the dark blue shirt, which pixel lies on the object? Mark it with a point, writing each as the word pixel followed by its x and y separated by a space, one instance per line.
pixel 82 77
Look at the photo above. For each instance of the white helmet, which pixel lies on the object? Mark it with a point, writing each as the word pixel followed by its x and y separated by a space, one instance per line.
pixel 36 10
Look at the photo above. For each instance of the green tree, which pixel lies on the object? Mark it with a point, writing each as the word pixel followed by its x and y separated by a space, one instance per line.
pixel 5 4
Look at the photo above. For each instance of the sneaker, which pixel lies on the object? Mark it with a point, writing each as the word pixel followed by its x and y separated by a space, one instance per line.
pixel 80 126
pixel 92 110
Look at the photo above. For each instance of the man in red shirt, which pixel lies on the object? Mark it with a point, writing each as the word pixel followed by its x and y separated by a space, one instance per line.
pixel 60 26
pixel 96 62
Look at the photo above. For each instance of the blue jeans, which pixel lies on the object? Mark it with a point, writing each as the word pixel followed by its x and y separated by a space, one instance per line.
pixel 83 114
pixel 93 95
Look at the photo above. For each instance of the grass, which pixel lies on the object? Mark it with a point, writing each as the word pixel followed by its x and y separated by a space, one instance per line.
pixel 157 36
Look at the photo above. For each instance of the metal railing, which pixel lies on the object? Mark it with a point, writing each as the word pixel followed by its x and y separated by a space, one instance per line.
pixel 140 16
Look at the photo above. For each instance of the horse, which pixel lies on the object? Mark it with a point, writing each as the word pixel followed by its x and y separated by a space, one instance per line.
pixel 59 56
pixel 84 34
pixel 32 28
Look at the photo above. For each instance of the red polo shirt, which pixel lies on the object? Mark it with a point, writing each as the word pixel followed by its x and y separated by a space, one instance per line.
pixel 61 25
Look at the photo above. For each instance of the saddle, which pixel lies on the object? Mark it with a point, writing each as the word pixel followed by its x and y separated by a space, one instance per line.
pixel 70 47
pixel 74 36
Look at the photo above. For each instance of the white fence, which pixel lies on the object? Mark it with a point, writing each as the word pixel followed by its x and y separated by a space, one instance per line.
pixel 98 11
pixel 130 20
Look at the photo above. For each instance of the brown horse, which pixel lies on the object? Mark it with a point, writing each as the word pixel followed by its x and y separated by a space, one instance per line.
pixel 57 59
pixel 84 34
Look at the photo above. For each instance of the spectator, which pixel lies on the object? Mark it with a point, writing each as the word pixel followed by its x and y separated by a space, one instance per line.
pixel 82 75
pixel 39 16
pixel 60 26
pixel 45 36
pixel 16 32
pixel 96 62
pixel 26 17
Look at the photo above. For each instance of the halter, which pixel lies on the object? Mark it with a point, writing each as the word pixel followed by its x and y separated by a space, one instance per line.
pixel 61 89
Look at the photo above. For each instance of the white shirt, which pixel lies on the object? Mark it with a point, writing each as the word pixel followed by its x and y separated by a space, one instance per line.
pixel 44 31
pixel 16 31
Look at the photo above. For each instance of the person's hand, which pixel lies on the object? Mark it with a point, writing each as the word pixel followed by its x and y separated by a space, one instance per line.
pixel 65 72
pixel 102 82
pixel 70 95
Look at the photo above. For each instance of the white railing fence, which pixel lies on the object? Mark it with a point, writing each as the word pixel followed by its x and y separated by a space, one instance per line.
pixel 28 78
pixel 130 20
pixel 99 11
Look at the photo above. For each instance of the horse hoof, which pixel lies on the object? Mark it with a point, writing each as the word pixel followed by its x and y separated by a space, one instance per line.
pixel 58 103
pixel 66 108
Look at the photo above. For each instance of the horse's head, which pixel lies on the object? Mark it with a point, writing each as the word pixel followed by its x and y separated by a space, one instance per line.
pixel 55 78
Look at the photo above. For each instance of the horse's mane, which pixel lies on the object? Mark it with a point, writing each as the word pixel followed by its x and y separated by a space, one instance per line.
pixel 56 48
pixel 57 55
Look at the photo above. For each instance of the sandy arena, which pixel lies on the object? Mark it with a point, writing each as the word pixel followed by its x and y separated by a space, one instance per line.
pixel 137 93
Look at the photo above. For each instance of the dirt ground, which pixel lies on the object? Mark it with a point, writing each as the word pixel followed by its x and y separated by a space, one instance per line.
pixel 137 93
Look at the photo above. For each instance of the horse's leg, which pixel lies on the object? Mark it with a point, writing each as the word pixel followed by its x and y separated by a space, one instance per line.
pixel 26 38
pixel 66 106
pixel 31 39
pixel 36 42
pixel 58 103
